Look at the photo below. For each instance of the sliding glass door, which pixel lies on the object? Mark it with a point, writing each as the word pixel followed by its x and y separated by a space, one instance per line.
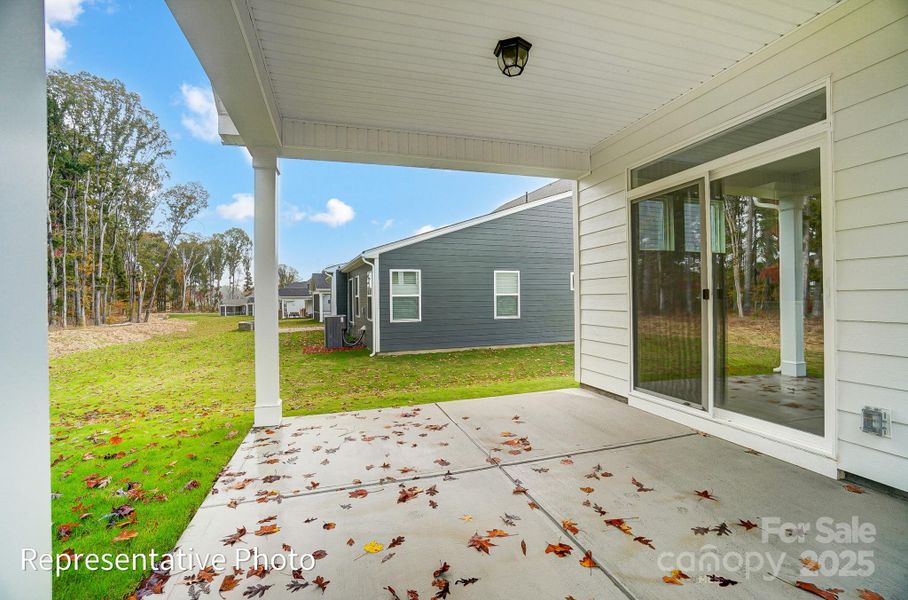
pixel 743 304
pixel 668 318
pixel 768 293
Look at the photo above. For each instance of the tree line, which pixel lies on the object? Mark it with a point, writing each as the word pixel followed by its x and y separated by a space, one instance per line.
pixel 118 246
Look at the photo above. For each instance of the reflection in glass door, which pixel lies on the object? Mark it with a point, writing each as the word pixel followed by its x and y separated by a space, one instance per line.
pixel 768 292
pixel 667 311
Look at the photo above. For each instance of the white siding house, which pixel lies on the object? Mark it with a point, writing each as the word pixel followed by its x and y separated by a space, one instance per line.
pixel 858 53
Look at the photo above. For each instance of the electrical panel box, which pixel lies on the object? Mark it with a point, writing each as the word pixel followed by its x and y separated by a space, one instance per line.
pixel 334 331
pixel 876 421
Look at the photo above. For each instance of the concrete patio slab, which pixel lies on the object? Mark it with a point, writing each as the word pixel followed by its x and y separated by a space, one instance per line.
pixel 584 459
pixel 339 450
pixel 663 507
pixel 555 423
pixel 475 502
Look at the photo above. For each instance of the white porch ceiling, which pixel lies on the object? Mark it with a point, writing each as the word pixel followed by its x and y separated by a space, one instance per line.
pixel 380 82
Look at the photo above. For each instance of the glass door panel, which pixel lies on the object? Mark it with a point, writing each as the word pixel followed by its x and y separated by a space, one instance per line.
pixel 667 312
pixel 768 292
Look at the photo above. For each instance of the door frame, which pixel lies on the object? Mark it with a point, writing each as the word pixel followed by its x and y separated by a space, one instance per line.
pixel 792 445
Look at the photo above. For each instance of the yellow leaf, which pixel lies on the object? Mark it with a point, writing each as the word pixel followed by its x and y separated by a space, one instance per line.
pixel 374 547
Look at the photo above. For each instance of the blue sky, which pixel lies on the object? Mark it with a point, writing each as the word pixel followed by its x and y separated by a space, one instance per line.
pixel 329 211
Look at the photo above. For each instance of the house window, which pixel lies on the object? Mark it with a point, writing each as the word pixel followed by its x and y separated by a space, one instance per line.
pixel 406 295
pixel 350 300
pixel 369 295
pixel 572 281
pixel 507 294
pixel 356 302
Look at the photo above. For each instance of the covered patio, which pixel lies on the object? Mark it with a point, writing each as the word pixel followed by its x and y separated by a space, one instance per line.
pixel 491 487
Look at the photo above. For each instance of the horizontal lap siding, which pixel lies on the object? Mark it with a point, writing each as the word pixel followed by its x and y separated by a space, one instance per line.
pixel 457 283
pixel 862 46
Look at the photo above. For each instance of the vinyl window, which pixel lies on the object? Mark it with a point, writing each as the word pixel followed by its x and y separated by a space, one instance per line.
pixel 507 294
pixel 406 295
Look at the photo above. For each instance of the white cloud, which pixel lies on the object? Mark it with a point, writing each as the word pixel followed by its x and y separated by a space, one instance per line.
pixel 424 229
pixel 55 46
pixel 294 214
pixel 337 213
pixel 242 208
pixel 202 118
pixel 62 11
pixel 58 12
pixel 388 224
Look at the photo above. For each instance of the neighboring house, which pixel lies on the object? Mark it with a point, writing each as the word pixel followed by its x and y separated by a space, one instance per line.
pixel 501 279
pixel 320 290
pixel 237 306
pixel 295 300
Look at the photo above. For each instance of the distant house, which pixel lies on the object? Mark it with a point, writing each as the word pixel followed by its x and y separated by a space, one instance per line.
pixel 320 290
pixel 237 306
pixel 295 300
pixel 500 279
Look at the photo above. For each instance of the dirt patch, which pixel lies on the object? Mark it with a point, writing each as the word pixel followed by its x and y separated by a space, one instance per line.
pixel 66 341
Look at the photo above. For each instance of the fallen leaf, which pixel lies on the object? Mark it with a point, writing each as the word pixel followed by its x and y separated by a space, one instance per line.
pixel 350 542
pixel 229 582
pixel 233 538
pixel 676 577
pixel 481 544
pixel 827 594
pixel 569 525
pixel 360 493
pixel 126 534
pixel 854 489
pixel 587 560
pixel 868 595
pixel 374 547
pixel 747 525
pixel 560 550
pixel 396 542
pixel 810 565
pixel 586 490
pixel 523 547
pixel 706 495
pixel 328 526
pixel 267 530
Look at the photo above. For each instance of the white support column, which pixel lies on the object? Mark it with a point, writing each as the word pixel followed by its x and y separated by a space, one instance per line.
pixel 267 363
pixel 25 427
pixel 791 293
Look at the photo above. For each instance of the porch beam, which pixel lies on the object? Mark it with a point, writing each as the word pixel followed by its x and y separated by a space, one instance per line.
pixel 265 258
pixel 791 287
pixel 350 143
pixel 25 431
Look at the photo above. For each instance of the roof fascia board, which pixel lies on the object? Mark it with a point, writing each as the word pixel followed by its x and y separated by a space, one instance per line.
pixel 217 36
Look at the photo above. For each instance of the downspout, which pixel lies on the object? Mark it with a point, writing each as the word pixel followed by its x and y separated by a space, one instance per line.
pixel 376 313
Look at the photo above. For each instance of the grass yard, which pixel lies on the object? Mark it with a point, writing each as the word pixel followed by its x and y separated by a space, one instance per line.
pixel 139 431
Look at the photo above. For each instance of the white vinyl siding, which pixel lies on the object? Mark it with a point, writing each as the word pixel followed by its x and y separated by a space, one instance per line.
pixel 507 294
pixel 369 295
pixel 406 295
pixel 862 47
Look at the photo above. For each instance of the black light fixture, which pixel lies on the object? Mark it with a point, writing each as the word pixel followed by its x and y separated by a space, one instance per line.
pixel 512 55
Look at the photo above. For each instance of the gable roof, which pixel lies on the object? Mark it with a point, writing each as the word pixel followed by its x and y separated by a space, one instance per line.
pixel 295 289
pixel 556 187
pixel 538 197
pixel 318 281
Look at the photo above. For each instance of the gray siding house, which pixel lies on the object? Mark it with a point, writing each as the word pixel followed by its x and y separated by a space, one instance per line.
pixel 500 279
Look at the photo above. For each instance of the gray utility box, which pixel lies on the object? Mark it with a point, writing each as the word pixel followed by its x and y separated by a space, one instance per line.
pixel 334 331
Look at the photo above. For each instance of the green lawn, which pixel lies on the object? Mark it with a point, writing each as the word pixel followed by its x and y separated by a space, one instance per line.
pixel 155 417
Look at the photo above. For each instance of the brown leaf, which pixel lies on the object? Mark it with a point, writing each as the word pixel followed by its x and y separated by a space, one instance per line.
pixel 868 595
pixel 569 525
pixel 321 582
pixel 854 489
pixel 441 570
pixel 350 542
pixel 360 493
pixel 523 547
pixel 645 541
pixel 747 525
pixel 481 544
pixel 396 542
pixel 267 530
pixel 706 495
pixel 319 554
pixel 827 594
pixel 233 538
pixel 126 534
pixel 810 565
pixel 586 490
pixel 560 550
pixel 328 526
pixel 640 486
pixel 587 560
pixel 230 582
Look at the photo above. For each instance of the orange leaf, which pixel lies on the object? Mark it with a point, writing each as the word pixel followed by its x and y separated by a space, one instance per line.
pixel 587 561
pixel 115 440
pixel 494 533
pixel 126 534
pixel 229 583
pixel 676 577
pixel 569 525
pixel 586 490
pixel 559 550
pixel 360 493
pixel 810 564
pixel 868 595
pixel 829 594
pixel 267 530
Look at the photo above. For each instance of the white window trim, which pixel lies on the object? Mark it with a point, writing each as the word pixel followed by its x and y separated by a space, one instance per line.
pixel 350 300
pixel 496 294
pixel 357 304
pixel 572 281
pixel 391 295
pixel 369 286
